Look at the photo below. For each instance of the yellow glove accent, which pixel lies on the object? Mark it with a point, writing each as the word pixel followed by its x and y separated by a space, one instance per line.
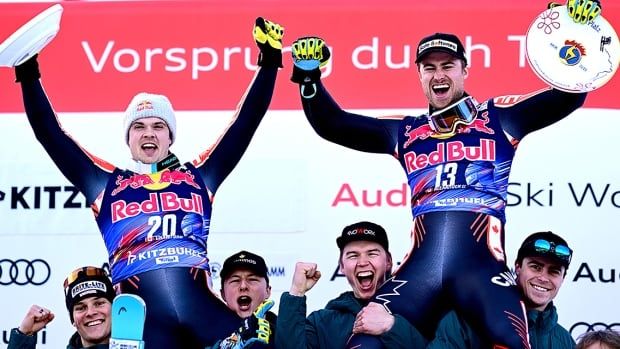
pixel 264 328
pixel 583 11
pixel 268 32
pixel 310 49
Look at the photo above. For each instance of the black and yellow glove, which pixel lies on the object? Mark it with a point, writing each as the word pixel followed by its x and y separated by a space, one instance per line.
pixel 253 329
pixel 309 55
pixel 583 11
pixel 268 37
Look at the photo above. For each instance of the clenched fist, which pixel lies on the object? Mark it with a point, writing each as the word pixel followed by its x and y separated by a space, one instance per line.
pixel 305 277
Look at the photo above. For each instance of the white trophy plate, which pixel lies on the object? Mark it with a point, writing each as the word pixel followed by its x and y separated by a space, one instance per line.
pixel 570 56
pixel 31 37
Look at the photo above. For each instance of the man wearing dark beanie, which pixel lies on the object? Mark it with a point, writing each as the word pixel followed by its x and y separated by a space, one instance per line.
pixel 88 295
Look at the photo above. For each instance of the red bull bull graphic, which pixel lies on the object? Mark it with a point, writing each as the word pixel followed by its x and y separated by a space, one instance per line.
pixel 155 181
pixel 422 132
pixel 425 131
pixel 134 182
pixel 144 105
pixel 479 124
pixel 177 177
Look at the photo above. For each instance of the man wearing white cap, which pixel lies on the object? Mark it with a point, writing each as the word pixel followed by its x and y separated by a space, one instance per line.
pixel 154 216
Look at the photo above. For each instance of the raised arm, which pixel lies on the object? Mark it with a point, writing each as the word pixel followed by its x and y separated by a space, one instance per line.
pixel 25 336
pixel 294 331
pixel 85 171
pixel 521 115
pixel 375 135
pixel 216 163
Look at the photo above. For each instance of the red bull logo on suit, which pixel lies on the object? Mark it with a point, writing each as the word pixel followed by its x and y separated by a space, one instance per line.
pixel 450 152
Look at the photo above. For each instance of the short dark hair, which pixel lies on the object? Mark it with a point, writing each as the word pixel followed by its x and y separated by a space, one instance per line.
pixel 607 337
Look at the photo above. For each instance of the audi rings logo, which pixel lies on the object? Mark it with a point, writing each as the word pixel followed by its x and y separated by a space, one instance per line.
pixel 23 272
pixel 580 328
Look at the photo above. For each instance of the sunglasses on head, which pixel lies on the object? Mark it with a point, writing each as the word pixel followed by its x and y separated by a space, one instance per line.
pixel 562 252
pixel 87 271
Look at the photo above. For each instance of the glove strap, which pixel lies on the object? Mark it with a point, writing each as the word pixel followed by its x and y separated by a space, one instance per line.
pixel 301 76
pixel 308 90
pixel 28 71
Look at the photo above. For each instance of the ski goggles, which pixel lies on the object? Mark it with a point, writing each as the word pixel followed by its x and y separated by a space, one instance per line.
pixel 542 246
pixel 449 118
pixel 87 271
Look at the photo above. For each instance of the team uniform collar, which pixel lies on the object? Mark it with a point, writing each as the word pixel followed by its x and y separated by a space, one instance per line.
pixel 169 162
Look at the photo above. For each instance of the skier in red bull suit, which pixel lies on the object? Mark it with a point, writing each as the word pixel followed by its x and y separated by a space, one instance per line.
pixel 154 216
pixel 457 159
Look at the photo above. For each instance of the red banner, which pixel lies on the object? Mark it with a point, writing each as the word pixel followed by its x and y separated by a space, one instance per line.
pixel 202 55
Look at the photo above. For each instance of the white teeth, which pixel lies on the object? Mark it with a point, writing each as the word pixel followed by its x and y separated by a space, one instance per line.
pixel 94 323
pixel 539 288
pixel 365 274
pixel 436 87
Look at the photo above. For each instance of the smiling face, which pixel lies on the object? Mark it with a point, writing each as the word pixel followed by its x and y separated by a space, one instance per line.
pixel 93 321
pixel 365 264
pixel 443 78
pixel 539 279
pixel 149 140
pixel 244 291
